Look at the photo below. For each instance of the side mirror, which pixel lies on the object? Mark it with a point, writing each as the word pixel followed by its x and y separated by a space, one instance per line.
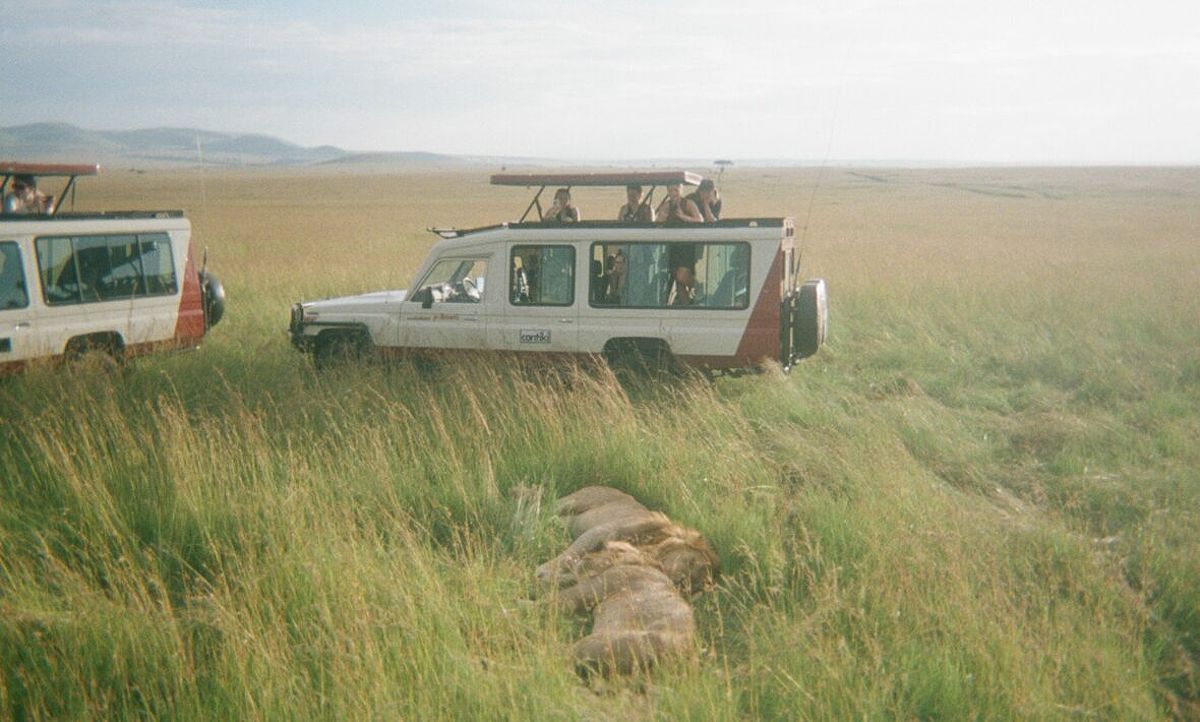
pixel 424 297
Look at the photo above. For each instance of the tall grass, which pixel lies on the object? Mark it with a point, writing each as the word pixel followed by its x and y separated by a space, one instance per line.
pixel 979 501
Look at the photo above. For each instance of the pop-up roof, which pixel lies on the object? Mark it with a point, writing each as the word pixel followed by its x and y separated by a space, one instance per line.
pixel 652 178
pixel 42 170
pixel 625 178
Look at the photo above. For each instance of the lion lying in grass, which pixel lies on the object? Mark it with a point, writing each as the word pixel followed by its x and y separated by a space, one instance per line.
pixel 640 617
pixel 634 567
pixel 598 514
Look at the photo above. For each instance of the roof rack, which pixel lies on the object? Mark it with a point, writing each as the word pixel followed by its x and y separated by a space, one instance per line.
pixel 652 178
pixel 72 171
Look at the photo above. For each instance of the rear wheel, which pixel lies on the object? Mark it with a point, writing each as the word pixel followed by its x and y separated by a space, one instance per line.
pixel 103 351
pixel 641 360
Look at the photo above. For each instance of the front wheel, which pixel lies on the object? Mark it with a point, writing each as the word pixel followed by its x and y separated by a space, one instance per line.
pixel 337 348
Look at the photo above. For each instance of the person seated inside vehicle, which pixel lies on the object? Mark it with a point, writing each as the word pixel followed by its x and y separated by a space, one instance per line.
pixel 677 209
pixel 707 201
pixel 597 282
pixel 682 289
pixel 635 210
pixel 519 286
pixel 562 211
pixel 26 198
pixel 614 292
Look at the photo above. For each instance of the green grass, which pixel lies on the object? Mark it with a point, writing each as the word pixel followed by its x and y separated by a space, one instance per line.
pixel 980 500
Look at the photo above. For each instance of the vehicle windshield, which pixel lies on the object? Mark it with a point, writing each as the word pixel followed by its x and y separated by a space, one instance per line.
pixel 454 280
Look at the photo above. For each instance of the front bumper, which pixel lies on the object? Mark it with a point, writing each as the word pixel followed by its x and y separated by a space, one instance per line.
pixel 300 340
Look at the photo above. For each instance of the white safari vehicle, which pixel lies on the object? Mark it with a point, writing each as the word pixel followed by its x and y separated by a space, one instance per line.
pixel 123 283
pixel 723 296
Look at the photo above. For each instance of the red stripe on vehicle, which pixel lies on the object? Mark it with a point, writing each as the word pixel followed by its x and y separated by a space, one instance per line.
pixel 189 325
pixel 761 338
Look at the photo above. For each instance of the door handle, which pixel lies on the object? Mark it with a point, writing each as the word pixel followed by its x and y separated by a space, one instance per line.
pixel 566 320
pixel 22 324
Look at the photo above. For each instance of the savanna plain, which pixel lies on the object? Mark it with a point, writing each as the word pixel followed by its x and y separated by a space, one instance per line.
pixel 980 500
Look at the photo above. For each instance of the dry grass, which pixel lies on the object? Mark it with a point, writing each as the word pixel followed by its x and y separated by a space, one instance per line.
pixel 979 501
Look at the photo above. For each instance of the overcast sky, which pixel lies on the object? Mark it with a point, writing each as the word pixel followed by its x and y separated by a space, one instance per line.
pixel 1079 81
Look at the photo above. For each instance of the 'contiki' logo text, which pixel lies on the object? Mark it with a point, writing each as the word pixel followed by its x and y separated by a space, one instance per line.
pixel 535 335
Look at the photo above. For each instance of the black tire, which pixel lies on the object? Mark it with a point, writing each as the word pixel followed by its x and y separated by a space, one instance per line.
pixel 641 360
pixel 102 350
pixel 811 321
pixel 213 295
pixel 338 348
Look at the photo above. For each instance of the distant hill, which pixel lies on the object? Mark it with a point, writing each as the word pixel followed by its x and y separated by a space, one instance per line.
pixel 64 142
pixel 386 158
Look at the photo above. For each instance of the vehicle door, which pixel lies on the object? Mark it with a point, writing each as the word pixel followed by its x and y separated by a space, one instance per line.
pixel 16 338
pixel 449 307
pixel 541 308
pixel 714 321
pixel 626 284
pixel 68 296
pixel 124 284
pixel 146 270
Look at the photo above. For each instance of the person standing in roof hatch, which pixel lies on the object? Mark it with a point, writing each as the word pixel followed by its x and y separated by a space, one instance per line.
pixel 562 211
pixel 635 211
pixel 707 201
pixel 26 198
pixel 677 209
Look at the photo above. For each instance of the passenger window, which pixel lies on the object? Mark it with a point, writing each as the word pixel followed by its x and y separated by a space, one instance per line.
pixel 124 276
pixel 91 258
pixel 675 275
pixel 542 276
pixel 12 278
pixel 104 268
pixel 56 265
pixel 453 280
pixel 158 264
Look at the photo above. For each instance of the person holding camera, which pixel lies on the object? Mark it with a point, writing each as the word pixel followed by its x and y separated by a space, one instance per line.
pixel 635 211
pixel 707 201
pixel 26 198
pixel 678 209
pixel 562 211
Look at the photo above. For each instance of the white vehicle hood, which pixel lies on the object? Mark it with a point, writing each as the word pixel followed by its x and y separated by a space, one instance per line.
pixel 361 302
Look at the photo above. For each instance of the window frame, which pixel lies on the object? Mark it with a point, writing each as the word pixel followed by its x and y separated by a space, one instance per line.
pixel 21 279
pixel 419 295
pixel 747 245
pixel 572 265
pixel 155 240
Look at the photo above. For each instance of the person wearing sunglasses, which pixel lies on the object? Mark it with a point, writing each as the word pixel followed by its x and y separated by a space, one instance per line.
pixel 26 198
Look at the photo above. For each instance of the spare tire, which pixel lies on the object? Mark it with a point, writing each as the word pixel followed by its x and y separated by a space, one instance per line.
pixel 811 320
pixel 213 294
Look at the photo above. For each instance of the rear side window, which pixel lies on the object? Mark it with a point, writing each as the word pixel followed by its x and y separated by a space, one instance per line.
pixel 670 275
pixel 56 265
pixel 123 276
pixel 88 269
pixel 13 292
pixel 542 276
pixel 158 264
